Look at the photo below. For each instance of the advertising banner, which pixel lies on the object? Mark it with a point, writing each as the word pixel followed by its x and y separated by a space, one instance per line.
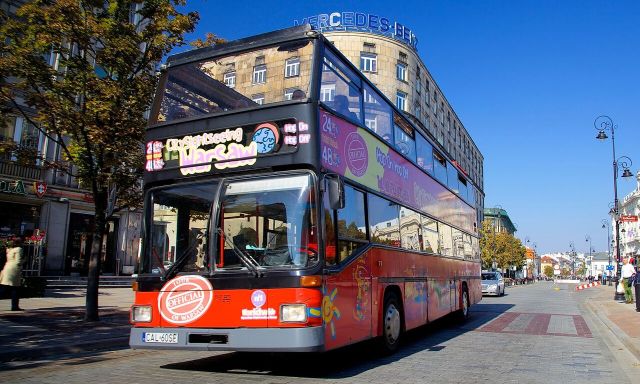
pixel 358 155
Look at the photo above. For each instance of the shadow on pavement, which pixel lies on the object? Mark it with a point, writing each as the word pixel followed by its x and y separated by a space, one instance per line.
pixel 344 362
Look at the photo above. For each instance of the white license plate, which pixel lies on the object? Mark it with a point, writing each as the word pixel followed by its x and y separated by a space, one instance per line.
pixel 160 337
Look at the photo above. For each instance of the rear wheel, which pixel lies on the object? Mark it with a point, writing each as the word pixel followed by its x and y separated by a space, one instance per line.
pixel 391 323
pixel 463 312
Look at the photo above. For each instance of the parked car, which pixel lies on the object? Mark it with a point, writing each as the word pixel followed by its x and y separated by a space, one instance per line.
pixel 492 283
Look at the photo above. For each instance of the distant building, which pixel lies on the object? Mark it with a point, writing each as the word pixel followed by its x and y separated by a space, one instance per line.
pixel 629 224
pixel 500 220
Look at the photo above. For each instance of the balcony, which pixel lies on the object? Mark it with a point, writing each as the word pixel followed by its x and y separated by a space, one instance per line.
pixel 10 168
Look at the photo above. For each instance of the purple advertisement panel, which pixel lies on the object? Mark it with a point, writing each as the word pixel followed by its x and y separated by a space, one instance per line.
pixel 360 156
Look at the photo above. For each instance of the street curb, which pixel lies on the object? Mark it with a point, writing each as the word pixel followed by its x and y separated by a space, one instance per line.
pixel 120 342
pixel 617 332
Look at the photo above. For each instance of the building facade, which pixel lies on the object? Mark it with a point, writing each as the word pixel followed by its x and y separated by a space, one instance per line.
pixel 500 220
pixel 49 207
pixel 629 224
pixel 387 53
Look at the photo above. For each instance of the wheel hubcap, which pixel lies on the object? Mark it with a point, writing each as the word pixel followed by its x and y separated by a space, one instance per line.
pixel 392 324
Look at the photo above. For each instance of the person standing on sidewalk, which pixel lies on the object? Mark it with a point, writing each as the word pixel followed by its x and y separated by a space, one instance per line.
pixel 11 274
pixel 627 272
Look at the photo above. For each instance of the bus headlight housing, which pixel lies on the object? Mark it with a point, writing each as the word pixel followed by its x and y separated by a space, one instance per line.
pixel 141 314
pixel 290 313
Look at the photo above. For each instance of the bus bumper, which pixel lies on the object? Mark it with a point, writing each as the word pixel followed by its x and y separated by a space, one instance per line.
pixel 310 339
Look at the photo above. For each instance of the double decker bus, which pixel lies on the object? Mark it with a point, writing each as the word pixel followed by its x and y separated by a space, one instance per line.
pixel 289 206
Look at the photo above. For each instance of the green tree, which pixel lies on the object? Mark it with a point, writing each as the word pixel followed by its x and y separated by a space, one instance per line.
pixel 502 248
pixel 93 101
pixel 548 271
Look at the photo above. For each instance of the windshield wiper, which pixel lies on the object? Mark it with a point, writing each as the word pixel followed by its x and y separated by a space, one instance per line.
pixel 246 259
pixel 173 269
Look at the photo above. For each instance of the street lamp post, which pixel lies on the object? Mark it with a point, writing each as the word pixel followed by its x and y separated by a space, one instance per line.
pixel 603 123
pixel 587 238
pixel 572 256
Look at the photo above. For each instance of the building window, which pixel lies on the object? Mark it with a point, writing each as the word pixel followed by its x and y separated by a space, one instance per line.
pixel 230 79
pixel 258 99
pixel 401 71
pixel 372 124
pixel 401 100
pixel 327 92
pixel 292 67
pixel 368 62
pixel 260 74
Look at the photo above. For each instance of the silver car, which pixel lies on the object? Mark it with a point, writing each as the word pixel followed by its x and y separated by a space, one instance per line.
pixel 492 283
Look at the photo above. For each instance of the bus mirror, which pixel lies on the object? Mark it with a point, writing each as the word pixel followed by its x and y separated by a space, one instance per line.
pixel 336 192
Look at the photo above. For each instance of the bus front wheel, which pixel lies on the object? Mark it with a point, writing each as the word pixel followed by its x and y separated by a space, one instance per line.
pixel 391 323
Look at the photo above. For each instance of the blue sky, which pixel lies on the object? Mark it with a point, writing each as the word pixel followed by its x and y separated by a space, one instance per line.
pixel 527 79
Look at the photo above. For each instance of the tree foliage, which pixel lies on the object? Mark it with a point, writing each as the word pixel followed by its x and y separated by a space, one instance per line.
pixel 210 40
pixel 500 247
pixel 548 271
pixel 83 72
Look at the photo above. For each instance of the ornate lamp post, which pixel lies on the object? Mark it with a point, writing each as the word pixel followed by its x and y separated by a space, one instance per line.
pixel 587 238
pixel 602 124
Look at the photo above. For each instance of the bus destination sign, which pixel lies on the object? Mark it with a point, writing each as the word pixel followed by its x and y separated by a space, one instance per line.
pixel 227 148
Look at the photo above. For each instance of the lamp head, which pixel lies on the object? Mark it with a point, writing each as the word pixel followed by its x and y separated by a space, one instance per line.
pixel 626 173
pixel 602 136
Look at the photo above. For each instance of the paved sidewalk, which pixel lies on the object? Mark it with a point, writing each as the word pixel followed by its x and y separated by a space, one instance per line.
pixel 621 318
pixel 53 326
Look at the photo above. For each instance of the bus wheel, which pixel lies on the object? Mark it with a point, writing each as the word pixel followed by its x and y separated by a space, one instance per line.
pixel 463 313
pixel 391 323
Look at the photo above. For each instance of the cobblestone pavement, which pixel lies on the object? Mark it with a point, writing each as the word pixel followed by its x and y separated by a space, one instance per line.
pixel 538 333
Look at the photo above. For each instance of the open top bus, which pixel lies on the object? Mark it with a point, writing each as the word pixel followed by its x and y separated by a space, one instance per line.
pixel 289 206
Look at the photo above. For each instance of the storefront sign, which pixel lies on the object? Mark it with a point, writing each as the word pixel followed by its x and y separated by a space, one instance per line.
pixel 361 22
pixel 358 155
pixel 40 188
pixel 12 186
pixel 629 218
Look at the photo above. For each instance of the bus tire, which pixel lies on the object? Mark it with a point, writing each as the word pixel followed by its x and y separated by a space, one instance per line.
pixel 391 323
pixel 463 312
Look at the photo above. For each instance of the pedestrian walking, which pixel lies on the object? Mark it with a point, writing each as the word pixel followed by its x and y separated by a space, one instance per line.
pixel 628 274
pixel 11 274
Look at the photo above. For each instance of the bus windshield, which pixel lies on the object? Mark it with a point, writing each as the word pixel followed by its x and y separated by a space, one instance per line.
pixel 269 223
pixel 178 228
pixel 247 79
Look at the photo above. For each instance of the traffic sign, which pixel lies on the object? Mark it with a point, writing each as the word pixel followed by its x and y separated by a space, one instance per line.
pixel 629 218
pixel 609 267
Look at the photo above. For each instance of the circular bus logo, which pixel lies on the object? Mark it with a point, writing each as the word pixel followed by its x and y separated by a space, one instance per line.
pixel 185 299
pixel 355 151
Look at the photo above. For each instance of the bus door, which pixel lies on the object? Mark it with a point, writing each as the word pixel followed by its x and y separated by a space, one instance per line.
pixel 346 304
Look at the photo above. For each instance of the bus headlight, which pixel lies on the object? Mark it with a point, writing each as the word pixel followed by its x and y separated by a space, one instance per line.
pixel 141 314
pixel 293 313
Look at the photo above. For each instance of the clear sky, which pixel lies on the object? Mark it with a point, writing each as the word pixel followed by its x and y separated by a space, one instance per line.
pixel 527 78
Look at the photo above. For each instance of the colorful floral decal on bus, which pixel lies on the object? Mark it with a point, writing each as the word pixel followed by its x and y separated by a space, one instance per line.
pixel 360 274
pixel 228 148
pixel 360 156
pixel 329 310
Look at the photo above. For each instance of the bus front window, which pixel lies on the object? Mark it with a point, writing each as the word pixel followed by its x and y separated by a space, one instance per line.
pixel 270 222
pixel 178 229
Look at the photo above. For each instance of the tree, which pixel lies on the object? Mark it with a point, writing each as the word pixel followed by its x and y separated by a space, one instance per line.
pixel 93 101
pixel 502 248
pixel 548 271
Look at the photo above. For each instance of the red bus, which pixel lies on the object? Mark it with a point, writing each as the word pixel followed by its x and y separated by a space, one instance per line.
pixel 289 206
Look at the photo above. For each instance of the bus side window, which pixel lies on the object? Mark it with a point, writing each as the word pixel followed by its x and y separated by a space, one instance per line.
pixel 352 234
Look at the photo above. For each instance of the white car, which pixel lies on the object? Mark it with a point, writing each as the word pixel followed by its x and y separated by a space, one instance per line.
pixel 492 283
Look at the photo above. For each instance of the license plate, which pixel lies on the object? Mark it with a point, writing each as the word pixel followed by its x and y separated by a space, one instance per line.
pixel 160 337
